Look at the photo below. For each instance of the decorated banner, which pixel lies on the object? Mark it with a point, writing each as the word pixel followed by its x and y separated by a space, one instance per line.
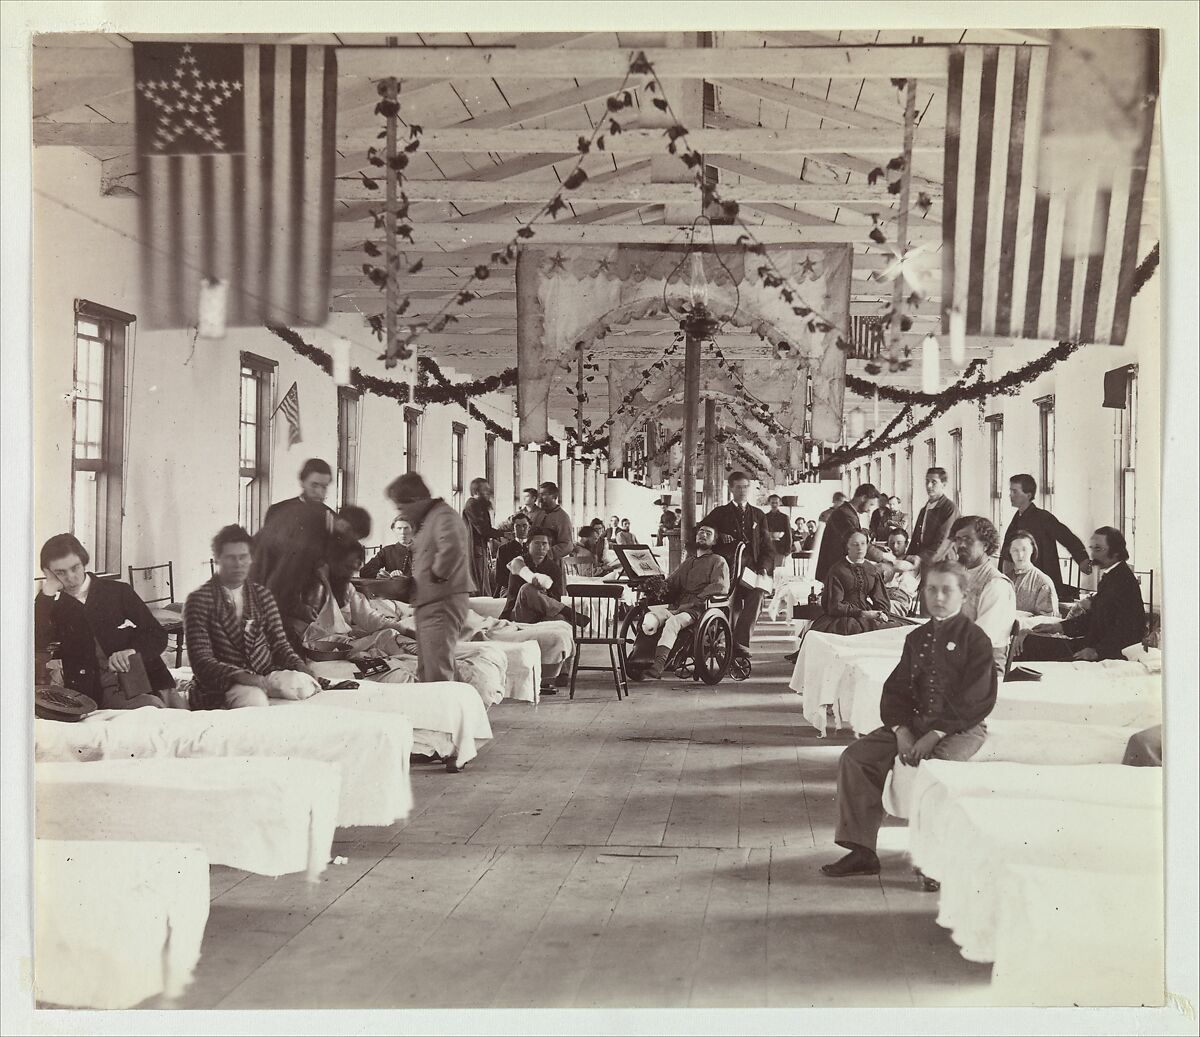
pixel 573 294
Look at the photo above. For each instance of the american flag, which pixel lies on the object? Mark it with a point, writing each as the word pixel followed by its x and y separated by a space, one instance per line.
pixel 236 148
pixel 289 406
pixel 1023 256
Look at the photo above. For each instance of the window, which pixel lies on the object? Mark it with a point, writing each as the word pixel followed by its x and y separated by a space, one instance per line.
pixel 348 418
pixel 254 440
pixel 878 480
pixel 458 463
pixel 1125 422
pixel 912 485
pixel 98 435
pixel 412 438
pixel 489 459
pixel 1046 434
pixel 541 467
pixel 931 453
pixel 996 480
pixel 892 486
pixel 956 465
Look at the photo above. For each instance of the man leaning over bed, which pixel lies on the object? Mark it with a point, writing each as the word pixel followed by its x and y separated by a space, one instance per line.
pixel 934 706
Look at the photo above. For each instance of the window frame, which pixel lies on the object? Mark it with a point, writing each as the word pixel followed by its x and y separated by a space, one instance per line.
pixel 956 459
pixel 349 442
pixel 1125 444
pixel 458 463
pixel 254 497
pixel 115 331
pixel 931 452
pixel 1047 449
pixel 996 479
pixel 489 459
pixel 412 438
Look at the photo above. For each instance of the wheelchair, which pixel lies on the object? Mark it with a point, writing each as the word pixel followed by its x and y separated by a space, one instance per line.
pixel 702 652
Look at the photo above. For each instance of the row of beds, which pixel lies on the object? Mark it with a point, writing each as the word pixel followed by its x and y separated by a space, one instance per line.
pixel 1046 848
pixel 162 794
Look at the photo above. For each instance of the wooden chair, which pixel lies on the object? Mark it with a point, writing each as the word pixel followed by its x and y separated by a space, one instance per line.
pixel 1145 579
pixel 600 602
pixel 1011 650
pixel 155 585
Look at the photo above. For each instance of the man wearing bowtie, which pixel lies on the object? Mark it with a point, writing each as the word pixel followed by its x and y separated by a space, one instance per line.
pixel 739 522
pixel 934 706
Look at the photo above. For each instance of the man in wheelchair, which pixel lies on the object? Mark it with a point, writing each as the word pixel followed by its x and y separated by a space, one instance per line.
pixel 701 576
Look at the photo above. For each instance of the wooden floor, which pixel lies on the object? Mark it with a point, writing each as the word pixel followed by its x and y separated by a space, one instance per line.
pixel 662 851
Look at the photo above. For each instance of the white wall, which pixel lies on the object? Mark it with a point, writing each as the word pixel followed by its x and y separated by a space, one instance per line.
pixel 1085 469
pixel 181 468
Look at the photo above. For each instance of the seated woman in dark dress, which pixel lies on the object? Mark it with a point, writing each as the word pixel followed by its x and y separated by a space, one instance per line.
pixel 855 599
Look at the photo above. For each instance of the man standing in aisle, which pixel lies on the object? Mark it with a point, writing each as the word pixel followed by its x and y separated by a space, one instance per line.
pixel 291 545
pixel 550 518
pixel 780 531
pixel 991 601
pixel 845 519
pixel 440 575
pixel 1047 533
pixel 739 522
pixel 931 533
pixel 838 498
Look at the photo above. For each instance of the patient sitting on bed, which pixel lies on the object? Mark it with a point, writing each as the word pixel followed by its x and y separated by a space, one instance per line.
pixel 934 705
pixel 236 644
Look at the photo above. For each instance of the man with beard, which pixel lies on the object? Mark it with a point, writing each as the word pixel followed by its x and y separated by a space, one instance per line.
pixel 845 519
pixel 991 601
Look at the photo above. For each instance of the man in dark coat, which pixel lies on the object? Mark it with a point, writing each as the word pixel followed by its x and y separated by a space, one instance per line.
pixel 934 706
pixel 845 519
pixel 739 522
pixel 779 530
pixel 291 545
pixel 481 534
pixel 392 558
pixel 1114 619
pixel 1047 532
pixel 110 644
pixel 509 550
pixel 931 532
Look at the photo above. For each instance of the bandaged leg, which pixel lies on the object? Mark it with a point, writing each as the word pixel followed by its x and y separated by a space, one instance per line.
pixel 241 695
pixel 674 623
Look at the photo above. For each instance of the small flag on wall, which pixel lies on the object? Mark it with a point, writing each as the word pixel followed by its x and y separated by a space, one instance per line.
pixel 289 406
pixel 236 163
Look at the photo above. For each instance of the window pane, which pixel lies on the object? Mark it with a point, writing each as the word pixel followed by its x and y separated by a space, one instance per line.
pixel 85 508
pixel 84 327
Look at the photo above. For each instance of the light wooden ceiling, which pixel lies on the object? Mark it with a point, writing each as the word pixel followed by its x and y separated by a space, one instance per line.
pixel 795 150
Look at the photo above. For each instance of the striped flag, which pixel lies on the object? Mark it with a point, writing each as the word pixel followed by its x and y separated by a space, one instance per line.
pixel 236 150
pixel 1025 253
pixel 289 406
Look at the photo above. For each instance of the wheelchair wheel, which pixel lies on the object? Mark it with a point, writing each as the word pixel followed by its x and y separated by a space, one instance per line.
pixel 628 633
pixel 739 668
pixel 714 648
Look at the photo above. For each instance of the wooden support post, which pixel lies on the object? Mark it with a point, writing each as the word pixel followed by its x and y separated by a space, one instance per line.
pixel 391 258
pixel 898 289
pixel 691 421
pixel 711 481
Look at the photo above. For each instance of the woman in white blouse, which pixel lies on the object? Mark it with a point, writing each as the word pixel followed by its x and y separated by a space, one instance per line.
pixel 1035 590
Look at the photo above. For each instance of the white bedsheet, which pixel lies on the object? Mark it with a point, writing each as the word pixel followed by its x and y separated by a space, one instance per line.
pixel 936 785
pixel 266 815
pixel 849 672
pixel 1066 936
pixel 447 716
pixel 985 836
pixel 373 749
pixel 116 923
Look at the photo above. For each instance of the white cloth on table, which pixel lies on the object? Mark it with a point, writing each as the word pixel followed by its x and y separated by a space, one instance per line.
pixel 936 785
pixel 116 923
pixel 447 716
pixel 820 673
pixel 985 836
pixel 269 816
pixel 794 590
pixel 373 750
pixel 1066 936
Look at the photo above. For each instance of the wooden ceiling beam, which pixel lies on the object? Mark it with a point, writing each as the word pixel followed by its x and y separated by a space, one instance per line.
pixel 808 102
pixel 625 188
pixel 761 140
pixel 829 62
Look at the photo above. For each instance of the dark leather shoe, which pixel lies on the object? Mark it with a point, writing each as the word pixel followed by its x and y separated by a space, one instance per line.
pixel 791 657
pixel 854 863
pixel 548 689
